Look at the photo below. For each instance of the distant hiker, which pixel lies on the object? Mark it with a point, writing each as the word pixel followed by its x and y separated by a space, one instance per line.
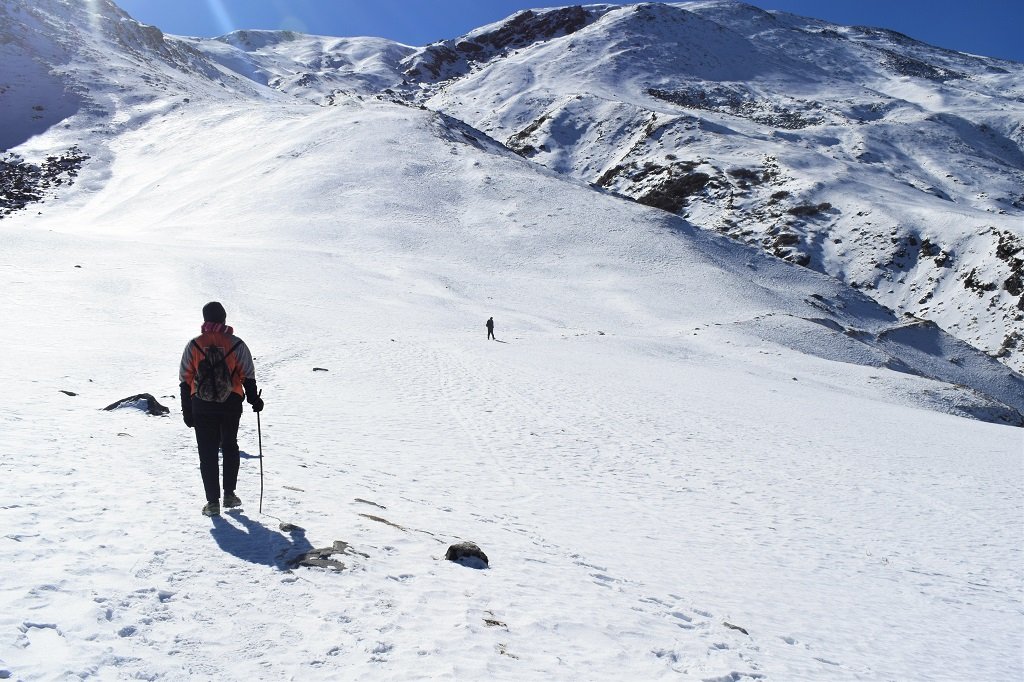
pixel 490 328
pixel 216 369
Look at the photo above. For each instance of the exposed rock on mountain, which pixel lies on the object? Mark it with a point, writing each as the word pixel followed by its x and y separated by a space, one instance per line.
pixel 453 58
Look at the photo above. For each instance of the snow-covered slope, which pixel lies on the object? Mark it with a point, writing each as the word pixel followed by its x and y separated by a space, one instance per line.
pixel 687 459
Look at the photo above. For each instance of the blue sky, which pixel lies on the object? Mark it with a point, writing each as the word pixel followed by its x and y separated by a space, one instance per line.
pixel 989 27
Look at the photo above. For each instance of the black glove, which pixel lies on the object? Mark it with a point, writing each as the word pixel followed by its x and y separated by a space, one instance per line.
pixel 186 403
pixel 252 394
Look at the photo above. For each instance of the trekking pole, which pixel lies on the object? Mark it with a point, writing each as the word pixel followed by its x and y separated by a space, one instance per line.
pixel 259 440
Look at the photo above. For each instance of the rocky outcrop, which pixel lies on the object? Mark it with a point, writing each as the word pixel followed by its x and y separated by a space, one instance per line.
pixel 23 183
pixel 452 58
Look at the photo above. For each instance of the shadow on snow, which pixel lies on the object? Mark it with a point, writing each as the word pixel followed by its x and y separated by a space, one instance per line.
pixel 254 542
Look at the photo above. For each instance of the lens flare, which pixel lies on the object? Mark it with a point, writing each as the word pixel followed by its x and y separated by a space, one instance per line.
pixel 221 16
pixel 92 9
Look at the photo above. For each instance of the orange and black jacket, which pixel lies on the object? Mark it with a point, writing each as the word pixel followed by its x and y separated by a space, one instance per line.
pixel 240 366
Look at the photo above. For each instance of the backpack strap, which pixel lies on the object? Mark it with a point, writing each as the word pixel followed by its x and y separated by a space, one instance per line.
pixel 232 349
pixel 224 359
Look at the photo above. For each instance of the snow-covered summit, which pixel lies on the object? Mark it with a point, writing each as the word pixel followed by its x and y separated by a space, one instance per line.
pixel 316 68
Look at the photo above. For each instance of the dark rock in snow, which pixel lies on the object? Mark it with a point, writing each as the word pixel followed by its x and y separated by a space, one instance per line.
pixel 672 194
pixel 468 554
pixel 735 627
pixel 808 210
pixel 23 183
pixel 453 58
pixel 319 369
pixel 380 519
pixel 321 558
pixel 142 401
pixel 71 393
pixel 974 283
pixel 529 27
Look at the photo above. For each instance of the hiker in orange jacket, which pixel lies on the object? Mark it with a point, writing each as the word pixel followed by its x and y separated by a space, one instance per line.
pixel 216 372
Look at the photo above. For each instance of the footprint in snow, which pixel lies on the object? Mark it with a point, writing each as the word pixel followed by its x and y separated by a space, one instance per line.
pixel 578 560
pixel 604 580
pixel 378 654
pixel 685 621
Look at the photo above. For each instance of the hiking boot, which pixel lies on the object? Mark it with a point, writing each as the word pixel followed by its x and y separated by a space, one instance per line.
pixel 211 509
pixel 231 500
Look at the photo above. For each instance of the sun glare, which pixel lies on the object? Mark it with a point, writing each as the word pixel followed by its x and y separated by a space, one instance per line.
pixel 288 17
pixel 221 16
pixel 93 10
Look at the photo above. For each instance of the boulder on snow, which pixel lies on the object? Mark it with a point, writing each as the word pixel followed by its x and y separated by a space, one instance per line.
pixel 142 401
pixel 467 554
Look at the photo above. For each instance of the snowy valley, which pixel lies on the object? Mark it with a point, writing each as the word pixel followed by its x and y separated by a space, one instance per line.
pixel 754 408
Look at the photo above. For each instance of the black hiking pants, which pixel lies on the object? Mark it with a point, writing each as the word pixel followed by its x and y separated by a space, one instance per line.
pixel 218 430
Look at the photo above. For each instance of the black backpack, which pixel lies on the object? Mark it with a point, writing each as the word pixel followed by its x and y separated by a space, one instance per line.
pixel 213 381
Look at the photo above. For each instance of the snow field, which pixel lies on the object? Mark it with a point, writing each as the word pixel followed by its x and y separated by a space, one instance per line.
pixel 633 493
pixel 640 464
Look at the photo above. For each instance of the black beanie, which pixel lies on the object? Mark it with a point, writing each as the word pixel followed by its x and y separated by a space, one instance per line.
pixel 214 312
